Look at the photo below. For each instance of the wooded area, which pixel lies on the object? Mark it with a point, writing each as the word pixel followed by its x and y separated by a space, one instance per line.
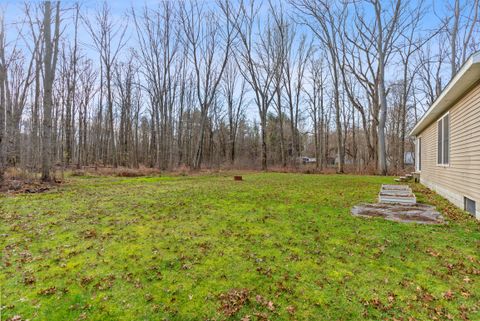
pixel 238 84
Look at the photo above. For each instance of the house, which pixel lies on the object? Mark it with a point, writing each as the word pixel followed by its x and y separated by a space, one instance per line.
pixel 448 140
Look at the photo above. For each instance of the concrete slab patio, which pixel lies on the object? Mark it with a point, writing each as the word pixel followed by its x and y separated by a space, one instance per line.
pixel 408 213
pixel 398 203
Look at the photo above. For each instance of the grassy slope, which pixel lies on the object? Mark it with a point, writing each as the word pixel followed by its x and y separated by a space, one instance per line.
pixel 167 247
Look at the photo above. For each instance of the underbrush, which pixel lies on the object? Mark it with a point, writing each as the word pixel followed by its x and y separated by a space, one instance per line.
pixel 17 181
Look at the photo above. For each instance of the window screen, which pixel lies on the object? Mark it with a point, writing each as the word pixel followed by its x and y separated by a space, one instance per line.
pixel 439 142
pixel 470 206
pixel 420 153
pixel 443 140
pixel 446 139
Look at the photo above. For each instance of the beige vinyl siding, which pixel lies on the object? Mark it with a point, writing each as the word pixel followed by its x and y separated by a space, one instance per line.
pixel 461 177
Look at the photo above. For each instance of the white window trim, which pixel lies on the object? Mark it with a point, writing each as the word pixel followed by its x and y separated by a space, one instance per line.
pixel 418 157
pixel 443 139
pixel 470 197
pixel 473 199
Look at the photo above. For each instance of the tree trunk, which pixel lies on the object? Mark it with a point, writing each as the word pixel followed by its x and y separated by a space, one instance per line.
pixel 49 70
pixel 340 150
pixel 264 141
pixel 2 100
pixel 453 38
pixel 280 119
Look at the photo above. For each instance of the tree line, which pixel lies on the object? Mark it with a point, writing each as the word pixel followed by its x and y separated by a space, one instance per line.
pixel 230 83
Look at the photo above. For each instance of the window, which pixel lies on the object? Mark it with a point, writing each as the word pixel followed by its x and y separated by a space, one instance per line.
pixel 470 206
pixel 419 154
pixel 443 140
pixel 446 137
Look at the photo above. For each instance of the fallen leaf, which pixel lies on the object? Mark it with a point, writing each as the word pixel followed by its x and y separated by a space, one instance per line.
pixel 270 306
pixel 232 301
pixel 48 291
pixel 466 294
pixel 291 310
pixel 448 295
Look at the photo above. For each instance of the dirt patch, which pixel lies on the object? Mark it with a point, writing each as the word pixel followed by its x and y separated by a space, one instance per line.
pixel 26 186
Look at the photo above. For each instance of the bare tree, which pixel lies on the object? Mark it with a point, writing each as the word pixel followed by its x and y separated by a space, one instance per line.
pixel 316 107
pixel 3 71
pixel 18 82
pixel 18 78
pixel 257 65
pixel 108 40
pixel 203 32
pixel 159 44
pixel 387 26
pixel 178 94
pixel 281 33
pixel 324 22
pixel 36 34
pixel 71 79
pixel 87 77
pixel 359 78
pixel 409 45
pixel 294 72
pixel 50 63
pixel 462 27
pixel 430 71
pixel 235 96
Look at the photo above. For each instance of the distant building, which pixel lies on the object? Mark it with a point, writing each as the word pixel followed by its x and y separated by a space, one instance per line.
pixel 308 160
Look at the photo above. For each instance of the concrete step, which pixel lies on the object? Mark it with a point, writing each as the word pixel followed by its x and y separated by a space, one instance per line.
pixel 400 199
pixel 405 178
pixel 401 194
pixel 387 187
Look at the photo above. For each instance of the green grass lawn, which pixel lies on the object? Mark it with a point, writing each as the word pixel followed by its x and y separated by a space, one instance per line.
pixel 275 246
